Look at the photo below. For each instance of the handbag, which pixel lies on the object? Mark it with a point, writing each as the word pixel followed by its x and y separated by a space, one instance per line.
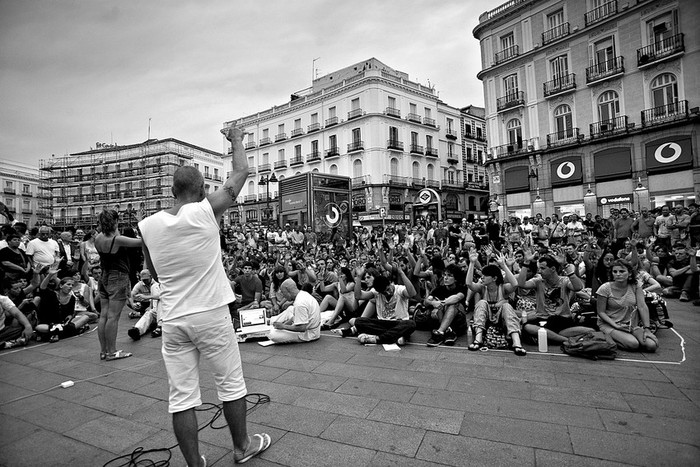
pixel 495 338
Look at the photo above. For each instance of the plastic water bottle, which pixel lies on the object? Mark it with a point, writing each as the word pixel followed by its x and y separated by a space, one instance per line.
pixel 542 338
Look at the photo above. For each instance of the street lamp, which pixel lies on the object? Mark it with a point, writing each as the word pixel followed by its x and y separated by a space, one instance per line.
pixel 266 181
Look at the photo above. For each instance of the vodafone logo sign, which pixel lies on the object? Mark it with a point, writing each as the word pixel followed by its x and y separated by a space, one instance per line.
pixel 660 156
pixel 566 170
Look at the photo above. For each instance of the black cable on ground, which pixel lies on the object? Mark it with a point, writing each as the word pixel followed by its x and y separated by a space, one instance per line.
pixel 136 459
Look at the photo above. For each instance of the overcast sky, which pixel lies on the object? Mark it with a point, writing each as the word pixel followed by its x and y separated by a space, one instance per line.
pixel 75 72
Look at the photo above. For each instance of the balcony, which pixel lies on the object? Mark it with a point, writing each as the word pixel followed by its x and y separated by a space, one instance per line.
pixel 392 112
pixel 207 176
pixel 280 165
pixel 599 14
pixel 506 54
pixel 265 141
pixel 510 101
pixel 605 70
pixel 397 180
pixel 450 134
pixel 250 145
pixel 516 147
pixel 414 118
pixel 356 146
pixel 313 127
pixel 354 114
pixel 331 121
pixel 429 121
pixel 360 181
pixel 564 138
pixel 263 168
pixel 416 149
pixel 665 113
pixel 332 152
pixel 296 160
pixel 431 152
pixel 250 198
pixel 555 33
pixel 314 156
pixel 560 85
pixel 451 183
pixel 605 128
pixel 158 191
pixel 280 137
pixel 478 136
pixel 297 132
pixel 9 191
pixel 394 144
pixel 217 178
pixel 661 50
pixel 452 158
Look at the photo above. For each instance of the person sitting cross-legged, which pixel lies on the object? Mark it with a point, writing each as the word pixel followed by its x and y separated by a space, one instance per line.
pixel 150 293
pixel 447 307
pixel 393 324
pixel 300 322
pixel 492 307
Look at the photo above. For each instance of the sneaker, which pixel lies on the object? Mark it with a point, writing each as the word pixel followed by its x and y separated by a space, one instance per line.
pixel 134 315
pixel 401 341
pixel 366 339
pixel 684 297
pixel 450 337
pixel 157 332
pixel 134 333
pixel 436 339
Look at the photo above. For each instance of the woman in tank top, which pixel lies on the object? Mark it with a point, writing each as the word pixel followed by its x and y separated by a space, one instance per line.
pixel 114 284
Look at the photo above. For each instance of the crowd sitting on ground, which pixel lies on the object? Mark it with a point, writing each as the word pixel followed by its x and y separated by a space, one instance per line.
pixel 497 280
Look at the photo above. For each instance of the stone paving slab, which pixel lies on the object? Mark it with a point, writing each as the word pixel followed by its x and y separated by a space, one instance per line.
pixel 336 402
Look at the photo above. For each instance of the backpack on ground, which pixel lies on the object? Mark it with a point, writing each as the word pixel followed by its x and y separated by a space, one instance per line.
pixel 592 345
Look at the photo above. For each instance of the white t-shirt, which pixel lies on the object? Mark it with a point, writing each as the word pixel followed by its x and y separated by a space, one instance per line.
pixel 5 306
pixel 395 308
pixel 43 252
pixel 307 310
pixel 186 253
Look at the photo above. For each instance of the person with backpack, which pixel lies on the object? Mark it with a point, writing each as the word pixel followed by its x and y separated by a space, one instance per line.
pixel 622 313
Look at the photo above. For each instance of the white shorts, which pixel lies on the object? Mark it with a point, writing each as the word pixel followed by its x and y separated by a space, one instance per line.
pixel 210 334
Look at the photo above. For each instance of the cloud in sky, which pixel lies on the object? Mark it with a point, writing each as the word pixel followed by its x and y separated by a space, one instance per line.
pixel 74 72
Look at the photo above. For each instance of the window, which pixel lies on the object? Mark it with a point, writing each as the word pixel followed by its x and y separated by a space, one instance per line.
pixel 413 108
pixel 297 123
pixel 451 177
pixel 280 155
pixel 331 112
pixel 603 56
pixel 314 146
pixel 563 123
pixel 414 138
pixel 608 106
pixel 297 151
pixel 251 161
pixel 428 112
pixel 314 118
pixel 251 187
pixel 266 133
pixel 428 142
pixel 355 104
pixel 8 184
pixel 469 155
pixel 664 90
pixel 662 28
pixel 394 167
pixel 280 128
pixel 356 135
pixel 510 85
pixel 393 134
pixel 416 170
pixel 357 168
pixel 206 170
pixel 216 171
pixel 334 169
pixel 555 19
pixel 507 41
pixel 450 125
pixel 265 159
pixel 391 102
pixel 559 69
pixel 431 172
pixel 451 150
pixel 333 142
pixel 515 134
pixel 206 189
pixel 196 166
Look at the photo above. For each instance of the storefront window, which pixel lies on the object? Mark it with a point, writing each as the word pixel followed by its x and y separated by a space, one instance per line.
pixel 682 199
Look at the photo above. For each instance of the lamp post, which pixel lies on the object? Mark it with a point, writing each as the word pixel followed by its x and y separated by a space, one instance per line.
pixel 266 181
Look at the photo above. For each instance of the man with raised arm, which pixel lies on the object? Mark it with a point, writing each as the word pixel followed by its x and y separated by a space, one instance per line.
pixel 182 251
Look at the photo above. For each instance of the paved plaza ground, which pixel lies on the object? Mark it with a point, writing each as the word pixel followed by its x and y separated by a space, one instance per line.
pixel 335 402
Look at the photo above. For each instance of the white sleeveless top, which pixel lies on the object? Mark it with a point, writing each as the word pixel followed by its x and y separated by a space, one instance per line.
pixel 186 253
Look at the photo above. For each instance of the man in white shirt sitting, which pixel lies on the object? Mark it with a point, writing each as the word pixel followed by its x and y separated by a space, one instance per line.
pixel 300 322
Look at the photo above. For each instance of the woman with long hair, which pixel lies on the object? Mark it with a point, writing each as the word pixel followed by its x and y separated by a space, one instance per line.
pixel 622 312
pixel 114 285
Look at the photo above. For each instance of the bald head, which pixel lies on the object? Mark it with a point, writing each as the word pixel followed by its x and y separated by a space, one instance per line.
pixel 289 289
pixel 188 183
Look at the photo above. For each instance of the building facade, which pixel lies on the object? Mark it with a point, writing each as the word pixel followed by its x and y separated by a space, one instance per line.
pixel 20 191
pixel 392 136
pixel 591 104
pixel 135 180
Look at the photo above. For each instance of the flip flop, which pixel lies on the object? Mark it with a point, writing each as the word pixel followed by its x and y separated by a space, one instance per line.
pixel 265 442
pixel 119 354
pixel 519 351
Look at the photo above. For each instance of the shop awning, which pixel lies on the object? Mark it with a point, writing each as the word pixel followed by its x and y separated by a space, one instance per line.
pixel 612 163
pixel 516 179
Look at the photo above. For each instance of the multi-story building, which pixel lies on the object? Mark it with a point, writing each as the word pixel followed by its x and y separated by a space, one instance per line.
pixel 392 136
pixel 591 104
pixel 474 150
pixel 20 190
pixel 134 179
